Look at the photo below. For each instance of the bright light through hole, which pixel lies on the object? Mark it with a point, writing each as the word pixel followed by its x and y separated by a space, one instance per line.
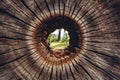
pixel 59 39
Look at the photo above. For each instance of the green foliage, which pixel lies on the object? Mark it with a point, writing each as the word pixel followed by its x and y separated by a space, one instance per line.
pixel 61 44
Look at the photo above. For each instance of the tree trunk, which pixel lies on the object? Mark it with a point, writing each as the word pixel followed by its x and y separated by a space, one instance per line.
pixel 59 35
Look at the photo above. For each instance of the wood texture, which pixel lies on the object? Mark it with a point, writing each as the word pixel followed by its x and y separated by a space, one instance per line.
pixel 24 54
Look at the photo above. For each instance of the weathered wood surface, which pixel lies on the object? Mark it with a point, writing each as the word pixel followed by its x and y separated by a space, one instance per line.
pixel 23 56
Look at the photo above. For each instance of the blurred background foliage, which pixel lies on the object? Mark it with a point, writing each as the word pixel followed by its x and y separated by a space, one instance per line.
pixel 59 39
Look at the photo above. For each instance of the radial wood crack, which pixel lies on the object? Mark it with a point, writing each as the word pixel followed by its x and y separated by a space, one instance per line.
pixel 92 54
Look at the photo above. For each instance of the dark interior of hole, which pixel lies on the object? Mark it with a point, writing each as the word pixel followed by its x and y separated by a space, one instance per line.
pixel 57 22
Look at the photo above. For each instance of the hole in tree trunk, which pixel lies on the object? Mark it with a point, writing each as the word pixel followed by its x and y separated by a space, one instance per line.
pixel 59 23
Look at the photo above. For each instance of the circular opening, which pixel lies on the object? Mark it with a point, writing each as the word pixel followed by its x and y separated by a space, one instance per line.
pixel 54 24
pixel 59 39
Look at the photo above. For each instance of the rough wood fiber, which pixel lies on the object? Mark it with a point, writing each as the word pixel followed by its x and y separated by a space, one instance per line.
pixel 94 52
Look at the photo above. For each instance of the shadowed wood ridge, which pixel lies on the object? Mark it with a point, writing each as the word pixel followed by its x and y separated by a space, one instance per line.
pixel 92 54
